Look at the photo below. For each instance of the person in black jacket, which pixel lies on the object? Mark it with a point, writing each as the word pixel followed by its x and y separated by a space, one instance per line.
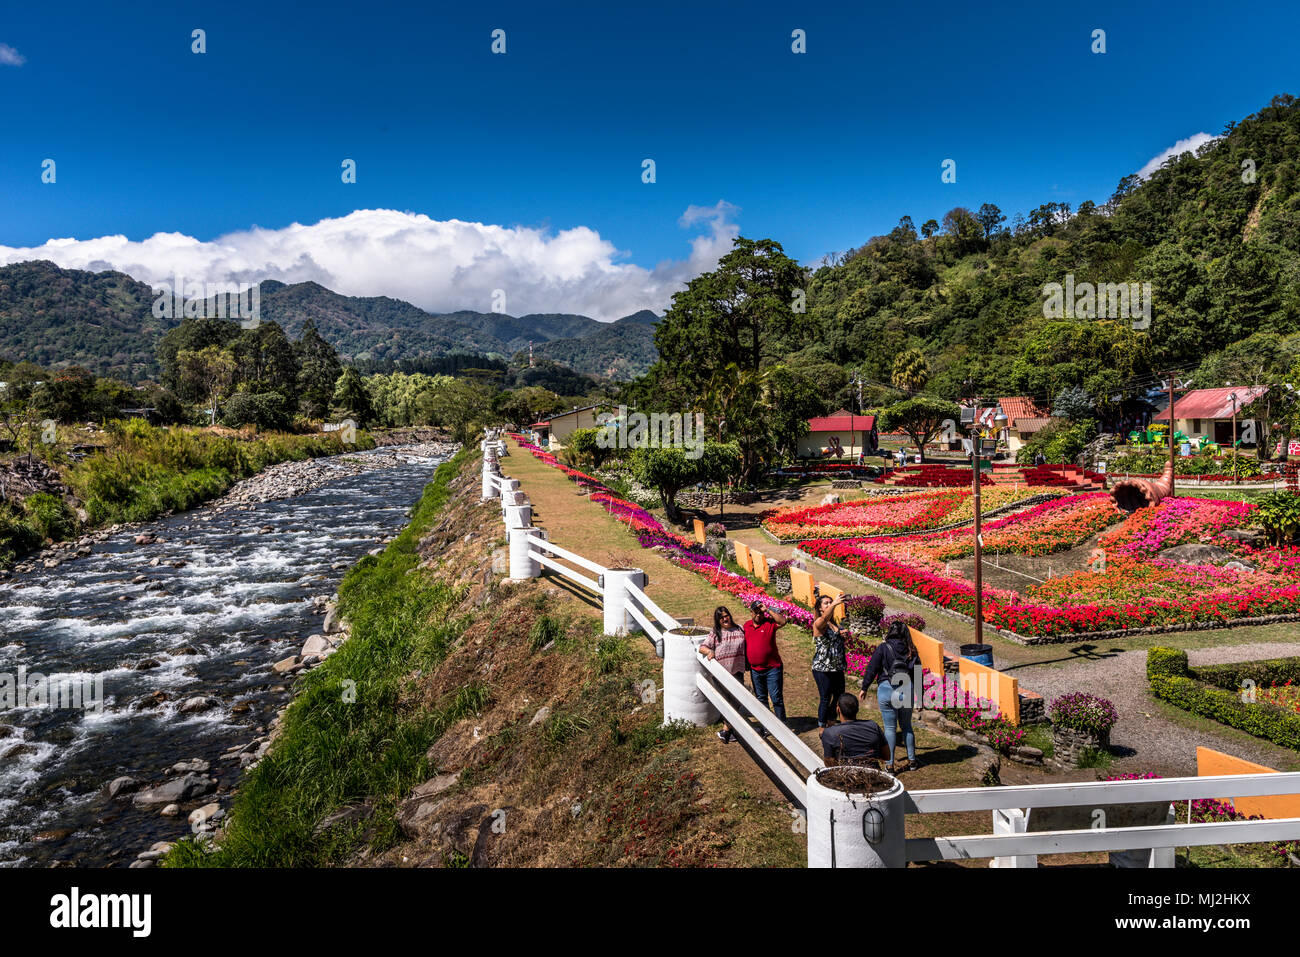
pixel 893 664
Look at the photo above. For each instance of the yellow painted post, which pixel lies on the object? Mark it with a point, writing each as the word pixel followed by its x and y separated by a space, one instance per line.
pixel 801 586
pixel 742 556
pixel 930 650
pixel 833 592
pixel 759 565
pixel 1210 763
pixel 699 531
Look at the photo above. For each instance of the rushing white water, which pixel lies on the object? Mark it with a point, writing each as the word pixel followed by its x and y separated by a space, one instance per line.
pixel 241 600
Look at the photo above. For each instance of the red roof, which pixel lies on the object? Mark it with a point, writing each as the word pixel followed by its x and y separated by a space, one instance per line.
pixel 1020 407
pixel 547 425
pixel 842 421
pixel 1212 403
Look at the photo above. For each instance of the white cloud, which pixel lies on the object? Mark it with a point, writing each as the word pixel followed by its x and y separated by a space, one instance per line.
pixel 441 266
pixel 1189 145
pixel 11 57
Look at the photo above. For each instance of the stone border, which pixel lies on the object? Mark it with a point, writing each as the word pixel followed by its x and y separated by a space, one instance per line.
pixel 1019 639
pixel 1001 510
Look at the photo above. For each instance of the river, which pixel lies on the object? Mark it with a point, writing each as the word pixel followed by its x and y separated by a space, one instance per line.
pixel 241 599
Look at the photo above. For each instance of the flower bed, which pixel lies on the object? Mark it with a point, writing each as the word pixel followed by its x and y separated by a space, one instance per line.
pixel 874 516
pixel 1128 588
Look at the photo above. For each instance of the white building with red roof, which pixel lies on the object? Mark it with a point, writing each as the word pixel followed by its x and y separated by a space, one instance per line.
pixel 838 435
pixel 1208 413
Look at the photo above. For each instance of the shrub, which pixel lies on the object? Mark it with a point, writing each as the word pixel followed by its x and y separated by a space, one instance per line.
pixel 266 410
pixel 1279 514
pixel 49 516
pixel 1172 681
pixel 865 606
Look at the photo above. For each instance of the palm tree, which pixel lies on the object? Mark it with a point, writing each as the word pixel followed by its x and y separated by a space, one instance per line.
pixel 910 372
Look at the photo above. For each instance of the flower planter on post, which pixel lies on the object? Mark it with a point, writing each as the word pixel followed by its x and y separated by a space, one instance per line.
pixel 1080 722
pixel 855 828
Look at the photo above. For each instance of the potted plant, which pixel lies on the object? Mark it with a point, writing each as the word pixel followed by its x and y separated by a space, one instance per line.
pixel 779 576
pixel 864 613
pixel 1081 722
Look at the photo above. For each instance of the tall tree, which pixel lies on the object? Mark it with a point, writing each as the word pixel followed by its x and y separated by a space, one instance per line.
pixel 910 372
pixel 318 371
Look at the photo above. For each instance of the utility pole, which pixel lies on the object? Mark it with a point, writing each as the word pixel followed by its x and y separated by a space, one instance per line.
pixel 979 578
pixel 1173 466
pixel 1234 438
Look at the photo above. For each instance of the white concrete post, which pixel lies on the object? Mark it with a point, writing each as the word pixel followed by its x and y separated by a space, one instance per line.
pixel 519 516
pixel 489 482
pixel 521 565
pixel 1012 821
pixel 506 489
pixel 618 620
pixel 855 830
pixel 683 700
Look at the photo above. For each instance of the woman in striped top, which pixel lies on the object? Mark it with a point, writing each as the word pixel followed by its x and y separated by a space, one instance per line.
pixel 726 646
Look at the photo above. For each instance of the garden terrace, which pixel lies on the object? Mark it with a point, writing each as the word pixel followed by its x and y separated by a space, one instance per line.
pixel 1120 576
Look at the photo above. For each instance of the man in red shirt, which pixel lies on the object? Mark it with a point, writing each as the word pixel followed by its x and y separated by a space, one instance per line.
pixel 765 666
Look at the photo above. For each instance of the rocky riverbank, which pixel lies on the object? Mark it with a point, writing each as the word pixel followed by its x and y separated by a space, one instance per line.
pixel 281 481
pixel 189 783
pixel 294 478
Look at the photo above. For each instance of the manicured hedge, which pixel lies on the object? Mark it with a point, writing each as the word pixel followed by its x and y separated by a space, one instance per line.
pixel 1264 673
pixel 1173 681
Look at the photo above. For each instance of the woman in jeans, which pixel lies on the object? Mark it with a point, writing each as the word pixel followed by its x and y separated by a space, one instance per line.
pixel 893 662
pixel 726 645
pixel 828 663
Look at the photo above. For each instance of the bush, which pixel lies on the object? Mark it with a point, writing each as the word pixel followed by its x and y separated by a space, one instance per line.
pixel 265 410
pixel 49 516
pixel 1279 514
pixel 1084 712
pixel 1172 681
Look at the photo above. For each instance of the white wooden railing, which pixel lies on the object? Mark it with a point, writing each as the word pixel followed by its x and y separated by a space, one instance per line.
pixel 698 690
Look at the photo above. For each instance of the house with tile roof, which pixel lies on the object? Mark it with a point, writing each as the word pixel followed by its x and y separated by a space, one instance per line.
pixel 838 435
pixel 1208 413
pixel 1024 418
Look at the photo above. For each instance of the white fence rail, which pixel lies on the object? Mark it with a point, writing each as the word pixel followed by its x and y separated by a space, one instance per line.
pixel 699 690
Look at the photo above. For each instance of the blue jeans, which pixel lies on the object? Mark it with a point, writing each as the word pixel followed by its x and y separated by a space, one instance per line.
pixel 767 684
pixel 894 718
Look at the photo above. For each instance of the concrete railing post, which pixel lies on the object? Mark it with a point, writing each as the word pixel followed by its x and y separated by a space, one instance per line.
pixel 489 481
pixel 521 564
pixel 618 620
pixel 855 830
pixel 683 700
pixel 506 488
pixel 519 516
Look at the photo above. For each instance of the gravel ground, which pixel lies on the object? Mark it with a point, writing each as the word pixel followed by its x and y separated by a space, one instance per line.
pixel 1158 744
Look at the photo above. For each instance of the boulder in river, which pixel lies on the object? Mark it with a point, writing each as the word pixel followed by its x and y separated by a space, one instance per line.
pixel 197 704
pixel 287 665
pixel 195 765
pixel 122 785
pixel 181 789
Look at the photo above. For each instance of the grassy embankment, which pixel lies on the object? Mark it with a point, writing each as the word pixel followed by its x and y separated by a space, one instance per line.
pixel 511 691
pixel 146 471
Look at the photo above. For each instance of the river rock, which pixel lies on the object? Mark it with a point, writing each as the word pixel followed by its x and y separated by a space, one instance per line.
pixel 331 623
pixel 287 665
pixel 197 704
pixel 122 785
pixel 145 664
pixel 317 645
pixel 181 789
pixel 141 579
pixel 193 765
pixel 171 810
pixel 205 814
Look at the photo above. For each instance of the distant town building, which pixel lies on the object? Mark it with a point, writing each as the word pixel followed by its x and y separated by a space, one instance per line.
pixel 840 434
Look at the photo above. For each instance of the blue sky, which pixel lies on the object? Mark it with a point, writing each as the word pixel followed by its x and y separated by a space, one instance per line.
pixel 819 151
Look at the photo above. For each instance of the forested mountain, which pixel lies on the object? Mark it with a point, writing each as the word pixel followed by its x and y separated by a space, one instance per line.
pixel 622 349
pixel 104 321
pixel 1217 235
